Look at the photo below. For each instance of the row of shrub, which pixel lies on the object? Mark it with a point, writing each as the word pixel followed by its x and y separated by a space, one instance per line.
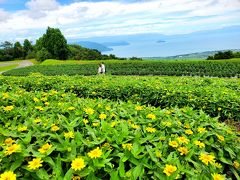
pixel 53 134
pixel 216 97
pixel 192 68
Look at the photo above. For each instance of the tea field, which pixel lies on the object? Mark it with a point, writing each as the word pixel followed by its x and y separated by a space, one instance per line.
pixel 108 127
pixel 222 68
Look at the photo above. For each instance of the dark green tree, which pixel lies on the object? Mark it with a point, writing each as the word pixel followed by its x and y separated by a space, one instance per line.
pixel 18 50
pixel 27 47
pixel 42 55
pixel 55 43
pixel 7 51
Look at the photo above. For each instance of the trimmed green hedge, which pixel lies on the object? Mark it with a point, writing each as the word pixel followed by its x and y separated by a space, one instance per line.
pixel 171 68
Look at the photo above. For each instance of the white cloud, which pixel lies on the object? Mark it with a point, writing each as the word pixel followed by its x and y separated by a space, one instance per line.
pixel 42 5
pixel 3 15
pixel 85 19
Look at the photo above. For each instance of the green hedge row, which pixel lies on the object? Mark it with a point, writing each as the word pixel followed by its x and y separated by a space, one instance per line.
pixel 216 97
pixel 171 68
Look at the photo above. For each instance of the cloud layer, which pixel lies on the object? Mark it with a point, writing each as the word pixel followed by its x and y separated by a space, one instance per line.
pixel 86 19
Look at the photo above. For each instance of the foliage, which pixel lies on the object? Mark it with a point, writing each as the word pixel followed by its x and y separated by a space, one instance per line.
pixel 224 55
pixel 6 51
pixel 28 49
pixel 216 97
pixel 55 43
pixel 42 55
pixel 55 135
pixel 18 50
pixel 170 68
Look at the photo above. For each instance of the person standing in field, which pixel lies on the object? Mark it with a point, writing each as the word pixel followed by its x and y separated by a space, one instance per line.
pixel 100 69
pixel 103 68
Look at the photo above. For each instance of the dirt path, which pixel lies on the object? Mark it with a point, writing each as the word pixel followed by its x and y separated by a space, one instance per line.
pixel 20 64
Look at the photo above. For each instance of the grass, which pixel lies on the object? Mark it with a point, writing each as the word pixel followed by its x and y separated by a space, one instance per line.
pixel 57 62
pixel 6 68
pixel 60 62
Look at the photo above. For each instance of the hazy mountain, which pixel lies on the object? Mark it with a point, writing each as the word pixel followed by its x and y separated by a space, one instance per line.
pixel 93 45
pixel 198 55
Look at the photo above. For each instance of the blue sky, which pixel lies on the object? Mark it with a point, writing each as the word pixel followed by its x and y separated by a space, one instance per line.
pixel 20 19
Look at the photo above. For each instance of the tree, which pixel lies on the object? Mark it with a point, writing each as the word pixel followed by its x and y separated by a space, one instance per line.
pixel 18 50
pixel 7 51
pixel 6 45
pixel 55 43
pixel 27 47
pixel 42 55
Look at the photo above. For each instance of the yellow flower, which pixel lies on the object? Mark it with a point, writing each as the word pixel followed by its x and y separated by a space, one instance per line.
pixel 199 143
pixel 22 128
pixel 54 128
pixel 89 111
pixel 189 131
pixel 78 164
pixel 201 130
pixel 107 108
pixel 11 149
pixel 9 141
pixel 139 108
pixel 158 154
pixel 8 175
pixel 69 134
pixel 127 146
pixel 150 129
pixel 182 139
pixel 35 99
pixel 8 108
pixel 44 148
pixel 96 153
pixel 40 108
pixel 5 95
pixel 37 120
pixel 44 99
pixel 102 116
pixel 169 169
pixel 95 124
pixel 113 124
pixel 135 126
pixel 187 126
pixel 71 108
pixel 220 138
pixel 173 144
pixel 217 165
pixel 35 163
pixel 217 176
pixel 85 121
pixel 236 164
pixel 151 116
pixel 207 158
pixel 183 150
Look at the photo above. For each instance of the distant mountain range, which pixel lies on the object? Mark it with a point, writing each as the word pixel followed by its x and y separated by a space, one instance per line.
pixel 198 55
pixel 93 45
pixel 160 45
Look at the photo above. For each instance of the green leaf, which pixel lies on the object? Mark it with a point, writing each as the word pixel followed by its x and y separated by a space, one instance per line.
pixel 68 175
pixel 16 164
pixel 42 174
pixel 137 172
pixel 121 169
pixel 114 175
